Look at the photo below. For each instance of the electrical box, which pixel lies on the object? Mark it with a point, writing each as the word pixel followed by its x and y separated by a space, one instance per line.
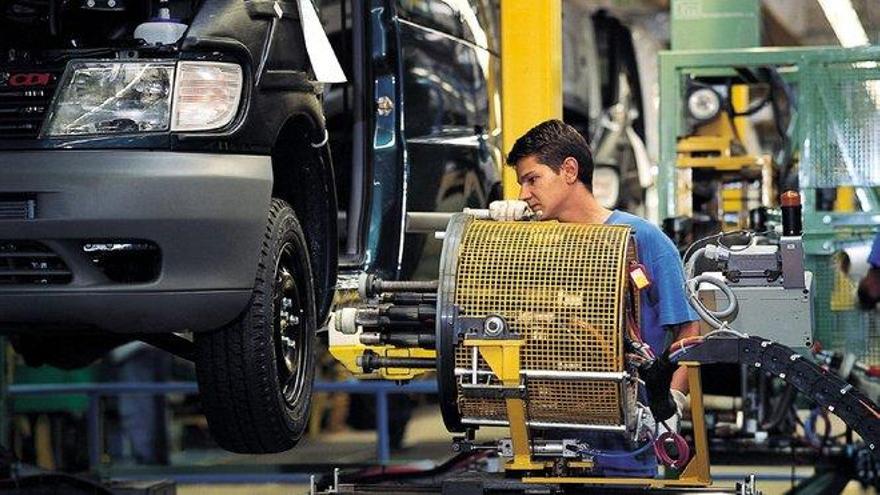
pixel 769 311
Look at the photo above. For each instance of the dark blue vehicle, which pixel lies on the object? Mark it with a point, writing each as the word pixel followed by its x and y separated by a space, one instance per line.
pixel 165 175
pixel 417 128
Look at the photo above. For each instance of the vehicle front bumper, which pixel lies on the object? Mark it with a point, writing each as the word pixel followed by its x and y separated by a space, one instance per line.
pixel 205 212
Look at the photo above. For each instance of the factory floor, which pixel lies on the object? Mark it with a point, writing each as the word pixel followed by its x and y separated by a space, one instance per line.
pixel 427 440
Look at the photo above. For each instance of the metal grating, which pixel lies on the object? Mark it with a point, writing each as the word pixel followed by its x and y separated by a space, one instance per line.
pixel 841 129
pixel 839 324
pixel 17 209
pixel 560 286
pixel 562 401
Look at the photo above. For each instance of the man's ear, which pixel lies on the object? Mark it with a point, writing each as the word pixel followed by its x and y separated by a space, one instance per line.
pixel 569 170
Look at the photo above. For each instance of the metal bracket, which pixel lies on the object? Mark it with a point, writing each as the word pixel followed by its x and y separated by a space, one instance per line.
pixel 492 327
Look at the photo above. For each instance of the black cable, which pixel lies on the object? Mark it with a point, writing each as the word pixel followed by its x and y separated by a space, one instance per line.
pixel 753 108
pixel 797 419
pixel 781 411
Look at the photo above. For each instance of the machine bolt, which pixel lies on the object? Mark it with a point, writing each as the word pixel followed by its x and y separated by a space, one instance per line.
pixel 494 326
pixel 90 3
pixel 826 219
pixel 111 3
pixel 287 319
pixel 757 365
pixel 287 280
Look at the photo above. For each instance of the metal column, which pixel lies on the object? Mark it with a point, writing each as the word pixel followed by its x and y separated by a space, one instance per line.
pixel 531 71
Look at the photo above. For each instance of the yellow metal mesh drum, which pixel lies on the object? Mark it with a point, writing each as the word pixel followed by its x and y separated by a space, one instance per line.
pixel 562 289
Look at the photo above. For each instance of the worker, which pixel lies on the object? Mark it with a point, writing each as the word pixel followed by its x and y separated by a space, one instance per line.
pixel 869 287
pixel 554 168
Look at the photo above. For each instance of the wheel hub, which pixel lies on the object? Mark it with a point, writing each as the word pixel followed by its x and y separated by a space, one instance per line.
pixel 289 327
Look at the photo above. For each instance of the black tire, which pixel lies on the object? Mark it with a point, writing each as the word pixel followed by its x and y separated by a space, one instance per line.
pixel 255 387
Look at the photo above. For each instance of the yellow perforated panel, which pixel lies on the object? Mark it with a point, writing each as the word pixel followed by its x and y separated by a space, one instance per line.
pixel 561 287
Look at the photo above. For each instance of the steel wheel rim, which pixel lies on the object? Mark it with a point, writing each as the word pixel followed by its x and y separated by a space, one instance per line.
pixel 289 323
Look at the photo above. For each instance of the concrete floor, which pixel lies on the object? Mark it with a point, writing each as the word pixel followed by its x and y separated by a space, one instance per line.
pixel 427 439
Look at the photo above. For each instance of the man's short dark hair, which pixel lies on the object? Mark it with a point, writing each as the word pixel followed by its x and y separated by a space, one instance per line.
pixel 551 142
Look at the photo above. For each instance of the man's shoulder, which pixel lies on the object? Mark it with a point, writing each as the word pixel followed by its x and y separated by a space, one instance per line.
pixel 645 231
pixel 639 224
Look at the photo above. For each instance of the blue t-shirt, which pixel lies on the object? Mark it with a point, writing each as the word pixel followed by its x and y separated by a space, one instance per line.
pixel 874 257
pixel 664 302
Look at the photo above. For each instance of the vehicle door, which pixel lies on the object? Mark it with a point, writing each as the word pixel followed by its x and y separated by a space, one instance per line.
pixel 450 70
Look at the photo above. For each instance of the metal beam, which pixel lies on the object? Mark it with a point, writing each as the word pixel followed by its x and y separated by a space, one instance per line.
pixel 531 71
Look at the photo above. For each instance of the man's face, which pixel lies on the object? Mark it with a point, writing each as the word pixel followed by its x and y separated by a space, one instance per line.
pixel 544 189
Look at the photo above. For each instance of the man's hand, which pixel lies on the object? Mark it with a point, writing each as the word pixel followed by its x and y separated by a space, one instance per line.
pixel 509 210
pixel 681 404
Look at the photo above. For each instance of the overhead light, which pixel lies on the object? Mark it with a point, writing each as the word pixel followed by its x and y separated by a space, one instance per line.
pixel 849 30
pixel 845 22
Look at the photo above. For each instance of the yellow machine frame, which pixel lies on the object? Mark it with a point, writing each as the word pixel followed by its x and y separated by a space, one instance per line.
pixel 720 136
pixel 503 357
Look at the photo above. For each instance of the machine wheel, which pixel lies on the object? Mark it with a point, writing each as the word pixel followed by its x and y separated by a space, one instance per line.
pixel 256 374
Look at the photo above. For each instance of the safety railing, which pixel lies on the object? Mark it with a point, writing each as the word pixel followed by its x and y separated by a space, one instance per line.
pixel 97 391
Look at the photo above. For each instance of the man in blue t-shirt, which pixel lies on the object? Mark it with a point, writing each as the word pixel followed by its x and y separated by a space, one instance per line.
pixel 554 168
pixel 869 287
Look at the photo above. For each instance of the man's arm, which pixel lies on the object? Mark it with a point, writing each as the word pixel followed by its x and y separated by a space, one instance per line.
pixel 683 331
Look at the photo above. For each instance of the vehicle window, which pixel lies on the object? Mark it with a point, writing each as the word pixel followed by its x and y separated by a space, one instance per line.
pixel 450 88
pixel 471 20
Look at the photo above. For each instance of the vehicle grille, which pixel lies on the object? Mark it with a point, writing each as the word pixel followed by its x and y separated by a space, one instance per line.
pixel 17 208
pixel 25 96
pixel 30 263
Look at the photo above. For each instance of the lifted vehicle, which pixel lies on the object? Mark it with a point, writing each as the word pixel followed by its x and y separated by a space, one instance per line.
pixel 168 171
pixel 152 157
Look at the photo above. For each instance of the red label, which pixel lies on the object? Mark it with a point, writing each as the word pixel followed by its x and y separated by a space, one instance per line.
pixel 30 79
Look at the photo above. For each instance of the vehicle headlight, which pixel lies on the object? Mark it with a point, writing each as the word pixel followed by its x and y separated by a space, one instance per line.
pixel 206 95
pixel 136 97
pixel 112 98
